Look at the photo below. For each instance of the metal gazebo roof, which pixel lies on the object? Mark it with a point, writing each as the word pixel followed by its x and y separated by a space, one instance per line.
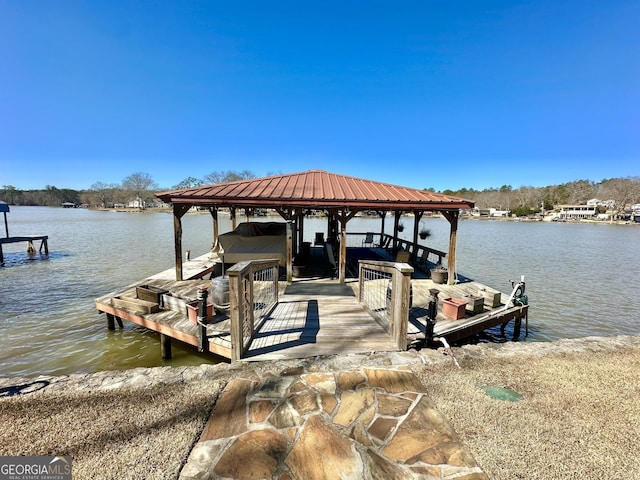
pixel 315 189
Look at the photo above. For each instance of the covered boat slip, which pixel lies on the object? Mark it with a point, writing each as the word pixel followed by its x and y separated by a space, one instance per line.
pixel 273 317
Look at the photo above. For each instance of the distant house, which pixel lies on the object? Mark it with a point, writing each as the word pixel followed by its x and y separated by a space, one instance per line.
pixel 499 213
pixel 490 212
pixel 609 204
pixel 137 203
pixel 576 212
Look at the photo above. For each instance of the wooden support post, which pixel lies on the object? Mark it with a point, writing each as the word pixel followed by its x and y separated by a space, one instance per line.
pixel 298 216
pixel 383 216
pixel 396 224
pixel 111 321
pixel 165 346
pixel 289 239
pixel 417 216
pixel 274 274
pixel 214 216
pixel 452 217
pixel 178 211
pixel 400 310
pixel 236 294
pixel 342 258
pixel 517 325
pixel 232 215
pixel 1 255
pixel 343 218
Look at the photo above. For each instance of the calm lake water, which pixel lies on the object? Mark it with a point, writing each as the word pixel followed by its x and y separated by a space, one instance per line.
pixel 582 279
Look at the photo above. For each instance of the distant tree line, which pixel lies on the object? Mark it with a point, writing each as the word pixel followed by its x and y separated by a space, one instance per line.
pixel 525 200
pixel 138 188
pixel 141 188
pixel 49 196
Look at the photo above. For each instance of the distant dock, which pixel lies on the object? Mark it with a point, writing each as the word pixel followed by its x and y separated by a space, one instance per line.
pixel 29 239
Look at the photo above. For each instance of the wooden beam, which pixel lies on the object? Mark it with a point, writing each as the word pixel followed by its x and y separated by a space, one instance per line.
pixel 452 218
pixel 286 213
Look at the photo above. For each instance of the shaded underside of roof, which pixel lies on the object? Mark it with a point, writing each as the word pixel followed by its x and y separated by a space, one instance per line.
pixel 316 189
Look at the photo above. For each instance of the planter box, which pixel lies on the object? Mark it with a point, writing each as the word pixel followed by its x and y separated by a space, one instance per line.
pixel 192 312
pixel 491 297
pixel 135 304
pixel 475 305
pixel 169 302
pixel 150 293
pixel 454 308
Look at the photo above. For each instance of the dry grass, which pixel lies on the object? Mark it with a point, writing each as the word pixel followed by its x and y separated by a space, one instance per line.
pixel 579 416
pixel 117 434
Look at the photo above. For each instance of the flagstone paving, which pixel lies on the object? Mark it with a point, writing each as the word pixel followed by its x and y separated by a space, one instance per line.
pixel 360 423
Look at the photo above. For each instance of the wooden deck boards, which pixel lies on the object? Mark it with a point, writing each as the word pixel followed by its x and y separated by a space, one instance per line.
pixel 301 326
pixel 169 322
pixel 469 325
pixel 199 267
pixel 317 317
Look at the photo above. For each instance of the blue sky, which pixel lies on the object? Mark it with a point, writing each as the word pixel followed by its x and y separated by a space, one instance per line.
pixel 441 94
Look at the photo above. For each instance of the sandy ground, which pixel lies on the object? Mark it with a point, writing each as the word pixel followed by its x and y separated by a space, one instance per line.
pixel 579 416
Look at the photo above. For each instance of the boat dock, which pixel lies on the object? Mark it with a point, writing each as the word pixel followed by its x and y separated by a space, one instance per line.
pixel 310 316
pixel 30 239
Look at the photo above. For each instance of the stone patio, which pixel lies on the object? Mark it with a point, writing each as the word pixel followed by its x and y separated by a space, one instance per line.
pixel 360 423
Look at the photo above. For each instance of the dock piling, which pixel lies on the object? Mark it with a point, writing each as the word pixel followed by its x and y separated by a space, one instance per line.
pixel 111 321
pixel 165 346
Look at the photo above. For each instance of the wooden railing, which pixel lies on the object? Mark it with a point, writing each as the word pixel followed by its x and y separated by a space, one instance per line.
pixel 421 254
pixel 253 293
pixel 385 291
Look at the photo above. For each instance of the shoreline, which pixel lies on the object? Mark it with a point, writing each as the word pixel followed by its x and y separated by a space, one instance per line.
pixel 148 376
pixel 578 414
